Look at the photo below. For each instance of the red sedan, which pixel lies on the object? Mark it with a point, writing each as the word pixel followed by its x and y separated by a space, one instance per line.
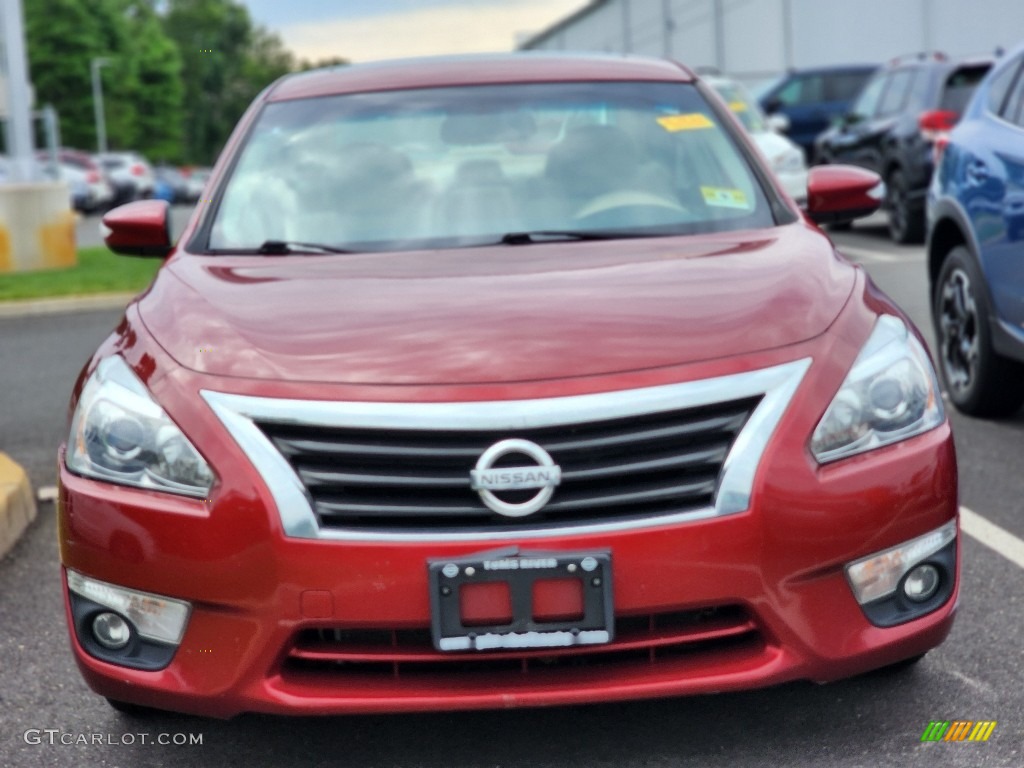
pixel 501 381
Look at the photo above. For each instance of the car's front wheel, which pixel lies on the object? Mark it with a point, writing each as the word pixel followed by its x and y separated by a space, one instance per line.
pixel 906 221
pixel 979 381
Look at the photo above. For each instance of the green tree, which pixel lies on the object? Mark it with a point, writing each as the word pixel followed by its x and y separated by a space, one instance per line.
pixel 333 61
pixel 158 98
pixel 226 62
pixel 64 36
pixel 179 73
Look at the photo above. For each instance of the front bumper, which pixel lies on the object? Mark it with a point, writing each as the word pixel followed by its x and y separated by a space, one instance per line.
pixel 292 626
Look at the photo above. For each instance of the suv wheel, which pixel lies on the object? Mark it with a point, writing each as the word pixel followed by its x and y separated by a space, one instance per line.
pixel 979 381
pixel 906 223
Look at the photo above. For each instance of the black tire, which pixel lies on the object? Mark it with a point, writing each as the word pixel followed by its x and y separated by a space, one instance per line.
pixel 840 226
pixel 132 710
pixel 906 221
pixel 979 381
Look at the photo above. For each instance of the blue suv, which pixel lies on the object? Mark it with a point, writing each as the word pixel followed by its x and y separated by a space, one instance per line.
pixel 976 247
pixel 811 99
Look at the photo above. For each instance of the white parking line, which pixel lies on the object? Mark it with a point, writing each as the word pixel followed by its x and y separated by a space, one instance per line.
pixel 47 493
pixel 992 536
pixel 871 256
pixel 867 255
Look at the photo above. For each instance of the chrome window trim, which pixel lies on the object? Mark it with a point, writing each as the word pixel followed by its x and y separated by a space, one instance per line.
pixel 777 385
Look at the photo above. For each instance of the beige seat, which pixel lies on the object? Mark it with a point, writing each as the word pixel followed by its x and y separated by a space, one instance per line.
pixel 479 201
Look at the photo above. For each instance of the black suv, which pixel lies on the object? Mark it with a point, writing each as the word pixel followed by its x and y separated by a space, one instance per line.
pixel 893 125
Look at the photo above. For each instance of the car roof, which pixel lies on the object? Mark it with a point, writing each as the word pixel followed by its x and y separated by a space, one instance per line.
pixel 475 69
pixel 939 61
pixel 831 69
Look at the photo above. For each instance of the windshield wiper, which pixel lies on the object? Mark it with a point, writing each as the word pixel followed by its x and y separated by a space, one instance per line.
pixel 282 247
pixel 555 235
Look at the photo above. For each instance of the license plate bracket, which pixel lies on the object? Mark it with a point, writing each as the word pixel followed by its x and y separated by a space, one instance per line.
pixel 521 571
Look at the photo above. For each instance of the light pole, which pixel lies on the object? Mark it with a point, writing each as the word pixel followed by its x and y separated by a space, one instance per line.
pixel 97 103
pixel 14 68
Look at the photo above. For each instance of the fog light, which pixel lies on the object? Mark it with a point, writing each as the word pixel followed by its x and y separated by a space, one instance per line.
pixel 921 583
pixel 111 631
pixel 879 575
pixel 154 617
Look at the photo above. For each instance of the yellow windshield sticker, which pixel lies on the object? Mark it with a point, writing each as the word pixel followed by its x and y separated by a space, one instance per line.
pixel 738 106
pixel 725 198
pixel 692 122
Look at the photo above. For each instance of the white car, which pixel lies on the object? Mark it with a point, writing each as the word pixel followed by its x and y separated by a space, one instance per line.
pixel 90 190
pixel 129 173
pixel 196 179
pixel 784 157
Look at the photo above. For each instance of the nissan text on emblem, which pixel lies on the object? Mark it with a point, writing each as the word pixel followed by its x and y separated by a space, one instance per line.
pixel 542 474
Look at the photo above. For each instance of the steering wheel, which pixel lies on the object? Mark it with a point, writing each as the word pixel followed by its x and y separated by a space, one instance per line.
pixel 629 207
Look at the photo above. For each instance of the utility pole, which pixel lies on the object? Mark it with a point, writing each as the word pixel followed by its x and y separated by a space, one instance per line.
pixel 627 28
pixel 668 28
pixel 719 21
pixel 97 103
pixel 35 215
pixel 19 94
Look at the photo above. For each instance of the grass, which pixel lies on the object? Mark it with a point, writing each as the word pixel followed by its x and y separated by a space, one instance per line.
pixel 98 271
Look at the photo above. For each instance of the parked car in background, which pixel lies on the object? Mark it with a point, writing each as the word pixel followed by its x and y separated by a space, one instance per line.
pixel 90 189
pixel 423 414
pixel 196 178
pixel 170 184
pixel 129 173
pixel 810 99
pixel 908 105
pixel 784 157
pixel 976 247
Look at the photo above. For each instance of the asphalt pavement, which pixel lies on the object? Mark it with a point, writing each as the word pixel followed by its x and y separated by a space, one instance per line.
pixel 49 718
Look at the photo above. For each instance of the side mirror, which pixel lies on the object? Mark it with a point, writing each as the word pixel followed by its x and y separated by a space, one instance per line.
pixel 841 193
pixel 138 229
pixel 778 122
pixel 771 106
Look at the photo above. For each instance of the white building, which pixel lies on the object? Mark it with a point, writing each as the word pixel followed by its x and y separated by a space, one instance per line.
pixel 756 39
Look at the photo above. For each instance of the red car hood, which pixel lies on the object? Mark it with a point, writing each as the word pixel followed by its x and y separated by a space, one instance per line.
pixel 498 314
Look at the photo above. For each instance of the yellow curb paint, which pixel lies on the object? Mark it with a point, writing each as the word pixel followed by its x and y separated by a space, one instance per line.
pixel 6 263
pixel 57 241
pixel 17 504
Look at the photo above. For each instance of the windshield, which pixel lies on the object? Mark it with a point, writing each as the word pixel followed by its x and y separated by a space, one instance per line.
pixel 959 87
pixel 467 166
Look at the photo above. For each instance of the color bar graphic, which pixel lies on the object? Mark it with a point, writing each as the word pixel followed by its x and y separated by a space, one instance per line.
pixel 958 730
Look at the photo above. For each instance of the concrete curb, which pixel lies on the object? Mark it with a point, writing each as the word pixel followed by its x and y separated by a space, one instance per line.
pixel 17 504
pixel 62 305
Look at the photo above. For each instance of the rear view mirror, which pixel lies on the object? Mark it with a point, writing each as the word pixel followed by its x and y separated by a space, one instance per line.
pixel 841 193
pixel 138 229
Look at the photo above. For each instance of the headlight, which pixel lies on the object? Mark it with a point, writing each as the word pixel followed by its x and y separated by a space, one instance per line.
pixel 890 394
pixel 119 434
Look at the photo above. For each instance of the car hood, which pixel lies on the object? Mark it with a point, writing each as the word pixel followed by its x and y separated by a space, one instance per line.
pixel 497 314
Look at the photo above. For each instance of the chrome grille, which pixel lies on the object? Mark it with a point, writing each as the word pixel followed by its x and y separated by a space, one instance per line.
pixel 620 469
pixel 643 456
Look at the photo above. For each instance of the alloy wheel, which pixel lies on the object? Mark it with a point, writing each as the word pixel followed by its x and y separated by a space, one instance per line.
pixel 959 342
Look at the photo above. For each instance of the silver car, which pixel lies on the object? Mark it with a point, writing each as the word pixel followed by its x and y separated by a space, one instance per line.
pixel 129 173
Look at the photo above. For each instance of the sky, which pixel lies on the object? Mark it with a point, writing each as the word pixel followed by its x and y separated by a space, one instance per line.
pixel 366 30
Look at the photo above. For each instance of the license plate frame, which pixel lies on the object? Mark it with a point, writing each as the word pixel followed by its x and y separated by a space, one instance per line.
pixel 521 570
